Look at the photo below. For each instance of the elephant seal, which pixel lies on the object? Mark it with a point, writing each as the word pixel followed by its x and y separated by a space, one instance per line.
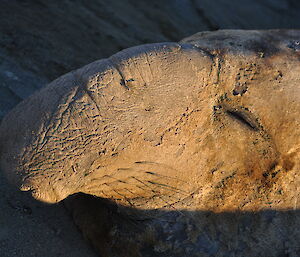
pixel 210 124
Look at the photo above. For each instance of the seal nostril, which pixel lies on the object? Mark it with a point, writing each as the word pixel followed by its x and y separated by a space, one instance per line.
pixel 243 118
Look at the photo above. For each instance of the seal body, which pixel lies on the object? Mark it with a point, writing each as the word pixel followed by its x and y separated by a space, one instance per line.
pixel 203 126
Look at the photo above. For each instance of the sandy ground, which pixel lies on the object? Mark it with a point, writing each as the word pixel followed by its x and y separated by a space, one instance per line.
pixel 29 228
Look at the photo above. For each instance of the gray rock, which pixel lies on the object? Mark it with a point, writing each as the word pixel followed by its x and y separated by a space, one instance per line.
pixel 16 83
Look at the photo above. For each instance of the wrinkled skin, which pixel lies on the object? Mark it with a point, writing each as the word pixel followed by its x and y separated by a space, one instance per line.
pixel 211 123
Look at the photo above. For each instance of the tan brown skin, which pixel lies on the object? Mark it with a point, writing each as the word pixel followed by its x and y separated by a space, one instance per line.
pixel 102 111
pixel 210 123
pixel 202 122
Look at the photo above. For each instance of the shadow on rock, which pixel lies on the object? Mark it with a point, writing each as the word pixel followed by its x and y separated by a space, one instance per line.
pixel 116 230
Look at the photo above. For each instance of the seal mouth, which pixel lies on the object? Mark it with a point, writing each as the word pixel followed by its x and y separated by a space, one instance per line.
pixel 44 197
pixel 45 193
pixel 25 188
pixel 37 195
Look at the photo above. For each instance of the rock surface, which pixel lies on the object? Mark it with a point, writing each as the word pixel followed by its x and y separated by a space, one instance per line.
pixel 51 38
pixel 204 133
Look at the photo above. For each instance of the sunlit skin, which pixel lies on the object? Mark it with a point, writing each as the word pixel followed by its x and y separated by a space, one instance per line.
pixel 185 126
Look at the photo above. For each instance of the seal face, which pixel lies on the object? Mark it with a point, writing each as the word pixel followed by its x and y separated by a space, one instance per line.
pixel 208 125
